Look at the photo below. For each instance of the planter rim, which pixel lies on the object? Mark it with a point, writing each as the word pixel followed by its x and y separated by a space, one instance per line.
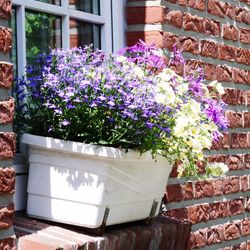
pixel 90 150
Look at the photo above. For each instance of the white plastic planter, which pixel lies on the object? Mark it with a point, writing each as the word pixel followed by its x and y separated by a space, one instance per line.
pixel 89 185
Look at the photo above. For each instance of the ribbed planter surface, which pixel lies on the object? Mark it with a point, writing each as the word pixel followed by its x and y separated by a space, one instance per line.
pixel 88 185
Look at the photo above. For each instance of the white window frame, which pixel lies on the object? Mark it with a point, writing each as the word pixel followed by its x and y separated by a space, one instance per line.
pixel 112 21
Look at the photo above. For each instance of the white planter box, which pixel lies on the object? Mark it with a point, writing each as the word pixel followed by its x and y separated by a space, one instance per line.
pixel 76 183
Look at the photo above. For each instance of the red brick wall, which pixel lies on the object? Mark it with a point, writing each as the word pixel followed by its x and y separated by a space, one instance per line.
pixel 7 137
pixel 216 35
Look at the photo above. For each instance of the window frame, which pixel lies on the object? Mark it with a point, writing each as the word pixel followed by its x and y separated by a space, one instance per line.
pixel 111 19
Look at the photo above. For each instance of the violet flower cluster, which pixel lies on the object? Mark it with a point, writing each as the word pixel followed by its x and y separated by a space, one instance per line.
pixel 131 100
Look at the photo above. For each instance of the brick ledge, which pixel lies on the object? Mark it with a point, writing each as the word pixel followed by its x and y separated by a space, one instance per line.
pixel 164 233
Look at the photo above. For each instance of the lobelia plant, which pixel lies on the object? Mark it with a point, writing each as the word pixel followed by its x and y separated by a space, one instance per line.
pixel 131 100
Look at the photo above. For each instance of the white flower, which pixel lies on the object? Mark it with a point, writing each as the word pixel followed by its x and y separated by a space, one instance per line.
pixel 138 72
pixel 121 59
pixel 163 88
pixel 217 168
pixel 218 87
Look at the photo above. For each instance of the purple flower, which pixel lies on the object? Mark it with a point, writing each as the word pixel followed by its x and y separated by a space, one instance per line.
pixel 65 122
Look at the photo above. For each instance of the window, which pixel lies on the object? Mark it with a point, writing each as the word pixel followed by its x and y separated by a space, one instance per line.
pixel 45 24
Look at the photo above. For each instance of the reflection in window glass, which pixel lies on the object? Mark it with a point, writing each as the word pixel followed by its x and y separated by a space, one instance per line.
pixel 90 6
pixel 82 33
pixel 14 46
pixel 43 32
pixel 55 2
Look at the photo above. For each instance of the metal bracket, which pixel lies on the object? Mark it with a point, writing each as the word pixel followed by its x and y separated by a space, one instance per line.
pixel 153 209
pixel 149 220
pixel 105 217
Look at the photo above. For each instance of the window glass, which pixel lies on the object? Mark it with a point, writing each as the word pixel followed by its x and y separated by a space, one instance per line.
pixel 14 45
pixel 90 6
pixel 55 2
pixel 83 33
pixel 43 32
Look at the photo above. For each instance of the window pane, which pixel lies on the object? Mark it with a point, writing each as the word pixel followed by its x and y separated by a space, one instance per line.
pixel 14 45
pixel 90 6
pixel 82 33
pixel 56 2
pixel 43 32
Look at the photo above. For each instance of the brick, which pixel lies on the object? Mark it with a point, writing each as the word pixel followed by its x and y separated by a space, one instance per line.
pixel 36 241
pixel 215 235
pixel 235 119
pixel 5 39
pixel 5 9
pixel 209 49
pixel 240 76
pixel 210 71
pixel 239 140
pixel 247 205
pixel 81 241
pixel 223 73
pixel 7 145
pixel 231 185
pixel 8 244
pixel 180 213
pixel 236 206
pixel 223 142
pixel 150 37
pixel 194 23
pixel 198 239
pixel 6 216
pixel 174 17
pixel 7 180
pixel 241 246
pixel 188 192
pixel 182 2
pixel 198 213
pixel 235 97
pixel 245 226
pixel 248 77
pixel 245 36
pixel 218 210
pixel 197 4
pixel 217 187
pixel 189 44
pixel 246 119
pixel 244 183
pixel 226 52
pixel 192 65
pixel 169 40
pixel 247 160
pixel 212 27
pixel 230 32
pixel 142 15
pixel 217 8
pixel 242 56
pixel 178 69
pixel 203 189
pixel 235 162
pixel 230 11
pixel 247 98
pixel 174 171
pixel 242 15
pixel 232 231
pixel 6 75
pixel 7 111
pixel 216 158
pixel 174 193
